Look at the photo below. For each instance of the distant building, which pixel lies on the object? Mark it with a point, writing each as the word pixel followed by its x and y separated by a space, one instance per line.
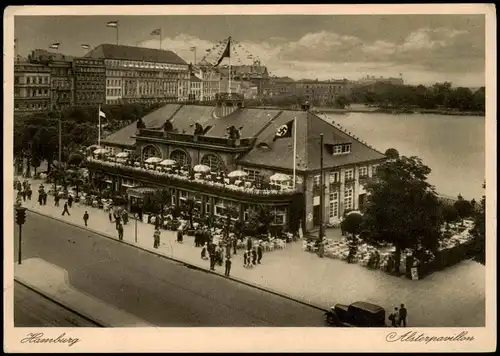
pixel 210 81
pixel 32 86
pixel 142 75
pixel 280 86
pixel 195 89
pixel 322 92
pixel 256 74
pixel 90 81
pixel 62 88
pixel 373 80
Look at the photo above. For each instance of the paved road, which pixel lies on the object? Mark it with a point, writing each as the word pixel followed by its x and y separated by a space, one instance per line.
pixel 155 289
pixel 33 310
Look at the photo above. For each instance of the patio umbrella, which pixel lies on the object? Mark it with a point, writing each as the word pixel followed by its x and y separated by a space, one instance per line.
pixel 168 162
pixel 201 168
pixel 93 147
pixel 100 151
pixel 122 155
pixel 153 160
pixel 237 174
pixel 280 177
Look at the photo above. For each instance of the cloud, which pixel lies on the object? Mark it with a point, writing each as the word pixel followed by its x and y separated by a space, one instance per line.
pixel 326 55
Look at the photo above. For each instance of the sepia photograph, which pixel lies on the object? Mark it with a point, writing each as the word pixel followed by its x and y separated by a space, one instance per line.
pixel 217 169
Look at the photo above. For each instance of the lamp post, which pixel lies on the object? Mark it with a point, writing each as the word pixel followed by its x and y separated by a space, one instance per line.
pixel 136 215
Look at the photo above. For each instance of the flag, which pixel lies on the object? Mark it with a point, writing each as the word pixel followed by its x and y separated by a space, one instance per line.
pixel 156 32
pixel 85 46
pixel 102 114
pixel 284 130
pixel 226 53
pixel 112 24
pixel 55 45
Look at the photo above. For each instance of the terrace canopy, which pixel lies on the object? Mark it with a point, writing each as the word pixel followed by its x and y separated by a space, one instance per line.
pixel 153 160
pixel 201 168
pixel 280 177
pixel 168 162
pixel 237 174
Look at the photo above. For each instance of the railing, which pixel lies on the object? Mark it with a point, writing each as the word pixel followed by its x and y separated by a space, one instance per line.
pixel 180 180
pixel 209 140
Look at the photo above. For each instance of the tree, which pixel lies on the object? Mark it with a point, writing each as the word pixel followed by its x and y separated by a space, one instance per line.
pixel 392 153
pixel 450 214
pixel 352 224
pixel 158 201
pixel 479 231
pixel 341 102
pixel 463 207
pixel 75 159
pixel 403 208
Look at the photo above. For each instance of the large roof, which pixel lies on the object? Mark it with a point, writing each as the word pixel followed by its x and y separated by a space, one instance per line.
pixel 111 51
pixel 262 125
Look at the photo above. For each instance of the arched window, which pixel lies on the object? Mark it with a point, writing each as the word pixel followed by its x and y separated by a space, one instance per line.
pixel 214 162
pixel 150 151
pixel 181 157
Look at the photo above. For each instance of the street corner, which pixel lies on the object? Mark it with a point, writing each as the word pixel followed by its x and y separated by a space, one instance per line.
pixel 39 273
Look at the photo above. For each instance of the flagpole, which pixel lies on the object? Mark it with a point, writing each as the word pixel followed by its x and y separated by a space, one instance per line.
pixel 99 130
pixel 117 42
pixel 229 46
pixel 161 34
pixel 294 150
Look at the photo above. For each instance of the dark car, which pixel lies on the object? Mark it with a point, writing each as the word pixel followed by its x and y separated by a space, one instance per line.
pixel 358 314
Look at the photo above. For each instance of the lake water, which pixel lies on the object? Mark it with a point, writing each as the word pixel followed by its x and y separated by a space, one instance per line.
pixel 452 146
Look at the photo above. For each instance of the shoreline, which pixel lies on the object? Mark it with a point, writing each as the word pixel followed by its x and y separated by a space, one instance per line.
pixel 400 111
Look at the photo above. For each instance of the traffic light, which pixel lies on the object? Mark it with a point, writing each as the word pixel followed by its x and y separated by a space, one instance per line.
pixel 20 216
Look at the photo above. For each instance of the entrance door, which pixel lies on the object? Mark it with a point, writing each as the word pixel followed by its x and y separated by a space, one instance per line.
pixel 316 215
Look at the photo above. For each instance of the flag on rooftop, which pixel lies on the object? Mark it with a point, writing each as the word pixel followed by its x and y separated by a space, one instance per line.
pixel 85 46
pixel 112 24
pixel 284 130
pixel 226 53
pixel 54 45
pixel 156 32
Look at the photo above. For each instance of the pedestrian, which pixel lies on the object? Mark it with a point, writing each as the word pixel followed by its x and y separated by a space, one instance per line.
pixel 228 267
pixel 180 233
pixel 29 192
pixel 40 199
pixel 245 259
pixel 156 236
pixel 254 256
pixel 120 232
pixel 394 318
pixel 19 186
pixel 85 217
pixel 23 194
pixel 204 252
pixel 212 260
pixel 70 201
pixel 110 215
pixel 197 238
pixel 235 244
pixel 56 199
pixel 402 315
pixel 117 220
pixel 125 217
pixel 44 198
pixel 259 253
pixel 65 209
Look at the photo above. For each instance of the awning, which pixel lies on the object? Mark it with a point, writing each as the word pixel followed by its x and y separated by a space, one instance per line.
pixel 153 160
pixel 280 177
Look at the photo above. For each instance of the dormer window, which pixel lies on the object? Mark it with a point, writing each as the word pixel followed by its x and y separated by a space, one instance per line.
pixel 342 149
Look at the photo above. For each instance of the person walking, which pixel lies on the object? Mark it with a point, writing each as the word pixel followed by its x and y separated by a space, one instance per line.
pixel 86 217
pixel 56 199
pixel 65 209
pixel 180 233
pixel 120 232
pixel 125 217
pixel 393 318
pixel 204 252
pixel 70 200
pixel 23 194
pixel 235 244
pixel 211 254
pixel 245 259
pixel 117 220
pixel 110 215
pixel 29 192
pixel 44 196
pixel 402 315
pixel 260 252
pixel 228 267
pixel 156 237
pixel 254 256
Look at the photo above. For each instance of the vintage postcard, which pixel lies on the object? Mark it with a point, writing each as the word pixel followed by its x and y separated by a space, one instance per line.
pixel 250 178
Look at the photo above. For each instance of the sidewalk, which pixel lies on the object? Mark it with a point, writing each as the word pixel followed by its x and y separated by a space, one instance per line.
pixel 305 276
pixel 52 281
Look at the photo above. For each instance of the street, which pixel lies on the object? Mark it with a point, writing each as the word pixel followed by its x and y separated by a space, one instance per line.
pixel 157 290
pixel 33 310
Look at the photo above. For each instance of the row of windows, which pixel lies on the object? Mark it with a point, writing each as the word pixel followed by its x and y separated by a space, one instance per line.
pixel 32 93
pixel 137 64
pixel 87 61
pixel 31 80
pixel 113 92
pixel 61 72
pixel 341 149
pixel 348 175
pixel 113 82
pixel 32 106
pixel 89 78
pixel 89 96
pixel 90 70
pixel 89 86
pixel 182 158
pixel 334 201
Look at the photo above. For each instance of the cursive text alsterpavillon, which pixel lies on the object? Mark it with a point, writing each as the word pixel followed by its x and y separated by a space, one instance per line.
pixel 39 338
pixel 413 336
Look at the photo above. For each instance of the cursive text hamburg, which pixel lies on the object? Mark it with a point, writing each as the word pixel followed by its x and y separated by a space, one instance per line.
pixel 413 336
pixel 39 338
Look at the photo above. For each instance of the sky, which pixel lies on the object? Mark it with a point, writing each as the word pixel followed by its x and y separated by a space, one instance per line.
pixel 425 49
